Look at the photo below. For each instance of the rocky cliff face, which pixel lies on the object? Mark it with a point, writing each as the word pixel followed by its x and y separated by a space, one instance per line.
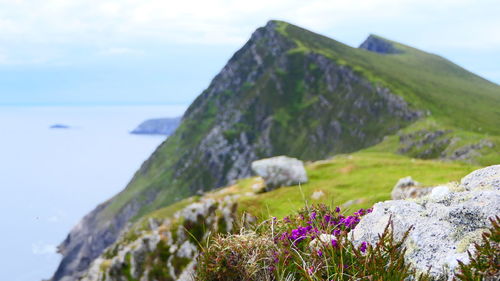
pixel 271 98
pixel 164 249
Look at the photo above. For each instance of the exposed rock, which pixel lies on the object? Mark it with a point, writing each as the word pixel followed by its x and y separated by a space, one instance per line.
pixel 165 244
pixel 408 188
pixel 435 143
pixel 445 223
pixel 486 178
pixel 91 236
pixel 323 239
pixel 379 45
pixel 160 126
pixel 467 152
pixel 424 143
pixel 197 210
pixel 280 171
pixel 317 195
pixel 353 202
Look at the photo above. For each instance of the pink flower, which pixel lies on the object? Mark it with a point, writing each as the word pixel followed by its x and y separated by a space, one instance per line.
pixel 310 270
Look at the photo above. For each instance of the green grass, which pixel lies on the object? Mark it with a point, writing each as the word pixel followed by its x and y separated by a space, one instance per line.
pixel 365 176
pixel 369 176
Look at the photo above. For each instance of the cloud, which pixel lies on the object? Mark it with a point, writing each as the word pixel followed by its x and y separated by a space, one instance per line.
pixel 206 22
pixel 102 25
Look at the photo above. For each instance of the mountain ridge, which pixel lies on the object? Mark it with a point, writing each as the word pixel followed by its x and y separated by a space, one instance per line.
pixel 286 91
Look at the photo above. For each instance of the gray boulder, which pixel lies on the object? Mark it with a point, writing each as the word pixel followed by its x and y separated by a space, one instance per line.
pixel 408 188
pixel 488 177
pixel 280 171
pixel 445 223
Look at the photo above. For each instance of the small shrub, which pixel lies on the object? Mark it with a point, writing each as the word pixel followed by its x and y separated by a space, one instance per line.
pixel 311 245
pixel 485 263
pixel 314 245
pixel 239 257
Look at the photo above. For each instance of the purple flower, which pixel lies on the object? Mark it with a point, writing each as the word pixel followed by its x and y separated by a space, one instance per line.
pixel 310 270
pixel 334 243
pixel 286 219
pixel 363 247
pixel 313 215
pixel 336 232
pixel 320 253
pixel 337 209
pixel 327 218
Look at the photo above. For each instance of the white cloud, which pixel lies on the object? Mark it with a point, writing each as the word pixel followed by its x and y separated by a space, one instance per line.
pixel 106 24
pixel 216 21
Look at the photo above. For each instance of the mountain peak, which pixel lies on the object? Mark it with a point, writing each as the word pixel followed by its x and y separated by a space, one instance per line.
pixel 379 45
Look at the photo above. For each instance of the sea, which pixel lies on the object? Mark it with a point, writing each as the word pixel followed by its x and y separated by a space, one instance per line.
pixel 51 177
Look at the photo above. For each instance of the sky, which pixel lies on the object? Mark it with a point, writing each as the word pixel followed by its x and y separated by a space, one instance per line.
pixel 87 52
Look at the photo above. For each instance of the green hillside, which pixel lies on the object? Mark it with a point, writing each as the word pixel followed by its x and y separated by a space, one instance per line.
pixel 452 94
pixel 293 92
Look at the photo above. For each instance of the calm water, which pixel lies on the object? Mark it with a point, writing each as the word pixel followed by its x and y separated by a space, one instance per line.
pixel 50 178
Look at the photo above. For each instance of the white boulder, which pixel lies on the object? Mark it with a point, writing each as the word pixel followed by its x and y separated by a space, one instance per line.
pixel 408 188
pixel 486 178
pixel 280 171
pixel 445 223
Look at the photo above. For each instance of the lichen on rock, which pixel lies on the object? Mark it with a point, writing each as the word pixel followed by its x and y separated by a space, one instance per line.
pixel 443 224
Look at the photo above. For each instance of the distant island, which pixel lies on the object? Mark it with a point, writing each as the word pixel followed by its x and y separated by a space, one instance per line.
pixel 59 126
pixel 159 126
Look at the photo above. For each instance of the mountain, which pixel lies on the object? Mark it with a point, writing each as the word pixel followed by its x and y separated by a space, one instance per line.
pixel 160 126
pixel 291 91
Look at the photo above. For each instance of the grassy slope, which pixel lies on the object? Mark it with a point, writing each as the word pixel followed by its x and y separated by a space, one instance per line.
pixel 366 177
pixel 453 95
pixel 456 98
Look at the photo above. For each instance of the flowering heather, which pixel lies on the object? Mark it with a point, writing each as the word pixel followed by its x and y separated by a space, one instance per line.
pixel 362 248
pixel 313 245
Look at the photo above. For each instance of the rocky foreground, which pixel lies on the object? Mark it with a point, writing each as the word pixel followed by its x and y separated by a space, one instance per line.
pixel 444 222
